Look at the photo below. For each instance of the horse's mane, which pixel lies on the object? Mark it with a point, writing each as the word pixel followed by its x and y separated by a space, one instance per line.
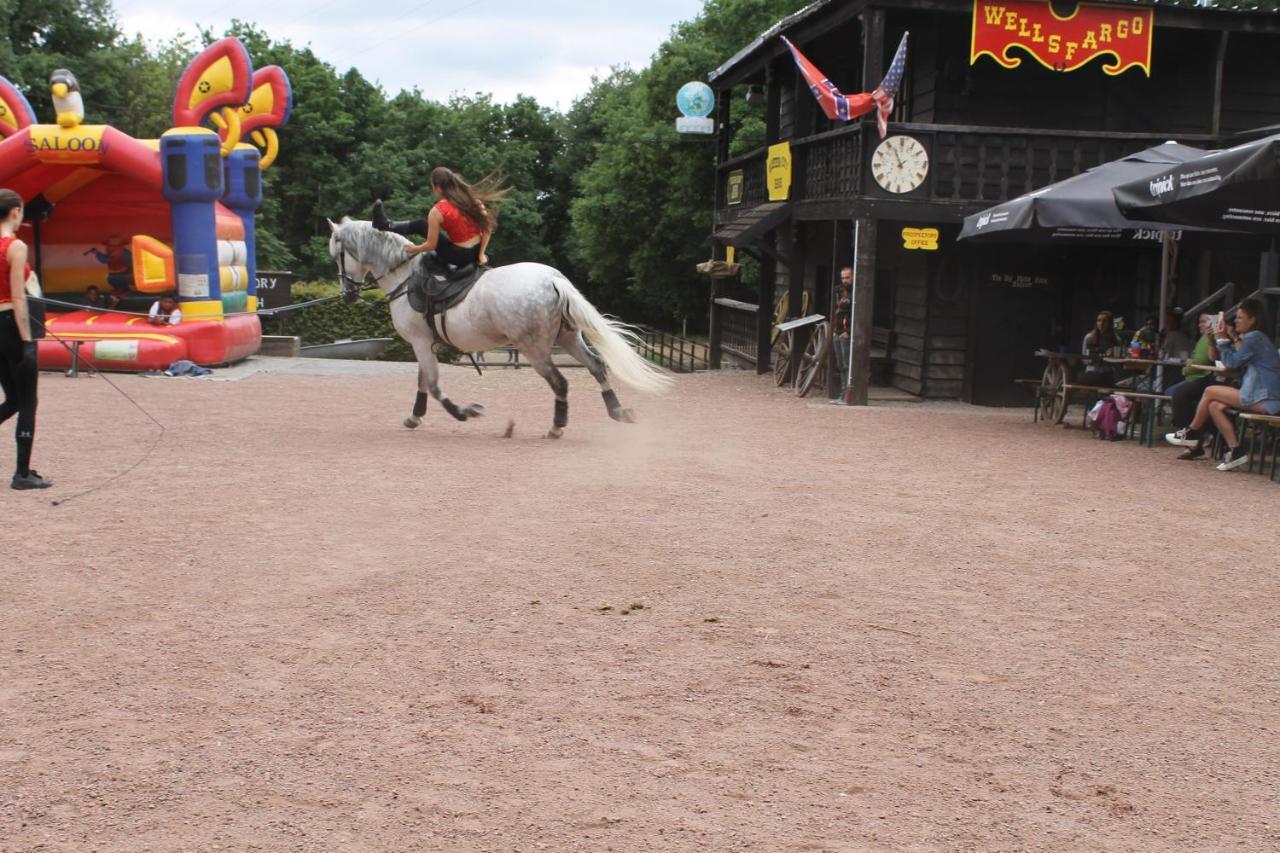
pixel 371 246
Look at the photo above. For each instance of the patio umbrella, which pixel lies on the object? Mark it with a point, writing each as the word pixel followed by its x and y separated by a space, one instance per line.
pixel 1081 208
pixel 1236 189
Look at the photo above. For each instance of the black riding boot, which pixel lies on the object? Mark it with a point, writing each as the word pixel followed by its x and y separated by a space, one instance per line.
pixel 407 227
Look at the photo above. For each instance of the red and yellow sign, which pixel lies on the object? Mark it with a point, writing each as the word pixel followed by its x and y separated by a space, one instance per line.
pixel 1062 44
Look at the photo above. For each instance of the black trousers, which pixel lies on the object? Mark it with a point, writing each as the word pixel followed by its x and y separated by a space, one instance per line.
pixel 1185 397
pixel 19 385
pixel 455 255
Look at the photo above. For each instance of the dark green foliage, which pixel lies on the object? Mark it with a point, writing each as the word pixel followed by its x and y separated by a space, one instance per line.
pixel 336 320
pixel 606 192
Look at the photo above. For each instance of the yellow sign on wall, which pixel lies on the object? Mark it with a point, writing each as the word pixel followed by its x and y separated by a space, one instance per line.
pixel 923 239
pixel 733 189
pixel 778 171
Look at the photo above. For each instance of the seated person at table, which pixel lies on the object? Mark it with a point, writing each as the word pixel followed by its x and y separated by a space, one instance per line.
pixel 1185 395
pixel 1099 343
pixel 1246 348
pixel 1175 344
pixel 164 312
pixel 1147 336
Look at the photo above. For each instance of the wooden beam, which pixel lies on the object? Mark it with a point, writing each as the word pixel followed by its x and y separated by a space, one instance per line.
pixel 872 48
pixel 772 103
pixel 795 247
pixel 774 255
pixel 724 139
pixel 764 309
pixel 1215 119
pixel 716 331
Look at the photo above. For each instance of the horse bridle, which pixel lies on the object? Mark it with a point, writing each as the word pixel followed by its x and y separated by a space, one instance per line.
pixel 351 289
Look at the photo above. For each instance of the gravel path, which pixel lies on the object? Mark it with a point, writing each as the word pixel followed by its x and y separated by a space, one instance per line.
pixel 749 622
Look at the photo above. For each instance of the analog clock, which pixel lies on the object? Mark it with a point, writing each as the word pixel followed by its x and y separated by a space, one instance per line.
pixel 900 164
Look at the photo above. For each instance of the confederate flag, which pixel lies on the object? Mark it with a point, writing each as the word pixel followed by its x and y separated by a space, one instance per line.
pixel 840 107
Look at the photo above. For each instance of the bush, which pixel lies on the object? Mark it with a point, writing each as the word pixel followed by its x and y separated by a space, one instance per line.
pixel 331 321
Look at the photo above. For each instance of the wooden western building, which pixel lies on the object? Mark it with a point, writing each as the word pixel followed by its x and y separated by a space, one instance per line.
pixel 955 319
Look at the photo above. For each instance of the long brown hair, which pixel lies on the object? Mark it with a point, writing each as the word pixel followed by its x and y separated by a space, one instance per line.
pixel 1257 309
pixel 473 200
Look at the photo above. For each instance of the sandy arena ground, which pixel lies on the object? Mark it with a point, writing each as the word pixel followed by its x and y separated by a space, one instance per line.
pixel 749 622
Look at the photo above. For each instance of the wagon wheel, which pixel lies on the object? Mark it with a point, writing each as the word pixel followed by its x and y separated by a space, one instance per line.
pixel 782 357
pixel 780 316
pixel 1053 393
pixel 813 364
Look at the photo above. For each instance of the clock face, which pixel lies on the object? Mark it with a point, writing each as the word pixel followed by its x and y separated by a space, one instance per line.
pixel 900 164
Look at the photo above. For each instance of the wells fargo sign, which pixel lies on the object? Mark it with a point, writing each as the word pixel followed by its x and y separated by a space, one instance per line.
pixel 1063 44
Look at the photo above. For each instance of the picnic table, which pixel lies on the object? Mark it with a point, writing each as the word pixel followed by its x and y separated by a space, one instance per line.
pixel 1056 388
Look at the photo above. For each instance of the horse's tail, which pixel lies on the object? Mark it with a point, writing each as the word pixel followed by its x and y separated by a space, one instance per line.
pixel 611 339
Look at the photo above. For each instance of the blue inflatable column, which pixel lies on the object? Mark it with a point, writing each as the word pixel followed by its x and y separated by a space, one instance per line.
pixel 193 182
pixel 243 198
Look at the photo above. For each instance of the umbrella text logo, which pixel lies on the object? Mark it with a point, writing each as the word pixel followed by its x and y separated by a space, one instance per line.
pixel 1160 186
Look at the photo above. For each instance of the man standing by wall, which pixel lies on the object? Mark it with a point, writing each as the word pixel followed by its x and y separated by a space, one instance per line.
pixel 841 327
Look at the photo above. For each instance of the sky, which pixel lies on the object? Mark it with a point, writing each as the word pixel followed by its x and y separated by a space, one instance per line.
pixel 544 48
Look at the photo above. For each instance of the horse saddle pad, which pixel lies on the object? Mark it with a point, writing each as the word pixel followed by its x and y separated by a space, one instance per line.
pixel 433 289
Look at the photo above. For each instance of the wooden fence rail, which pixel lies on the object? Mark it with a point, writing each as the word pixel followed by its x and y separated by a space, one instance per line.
pixel 672 351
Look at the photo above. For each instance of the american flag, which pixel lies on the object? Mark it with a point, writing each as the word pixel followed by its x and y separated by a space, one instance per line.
pixel 888 88
pixel 840 107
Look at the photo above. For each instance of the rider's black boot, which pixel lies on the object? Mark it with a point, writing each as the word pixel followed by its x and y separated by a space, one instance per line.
pixel 407 227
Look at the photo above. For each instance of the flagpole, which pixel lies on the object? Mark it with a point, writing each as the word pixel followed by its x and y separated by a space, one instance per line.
pixel 853 309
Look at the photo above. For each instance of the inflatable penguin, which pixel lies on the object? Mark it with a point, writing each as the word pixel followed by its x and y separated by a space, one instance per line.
pixel 66 98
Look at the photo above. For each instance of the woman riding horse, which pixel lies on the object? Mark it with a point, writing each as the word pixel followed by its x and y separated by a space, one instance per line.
pixel 460 224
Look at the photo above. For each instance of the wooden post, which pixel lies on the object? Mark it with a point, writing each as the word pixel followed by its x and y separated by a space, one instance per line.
pixel 716 336
pixel 872 49
pixel 724 126
pixel 724 138
pixel 795 255
pixel 773 103
pixel 764 311
pixel 864 273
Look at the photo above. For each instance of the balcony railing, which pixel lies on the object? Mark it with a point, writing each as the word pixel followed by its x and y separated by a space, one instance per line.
pixel 970 165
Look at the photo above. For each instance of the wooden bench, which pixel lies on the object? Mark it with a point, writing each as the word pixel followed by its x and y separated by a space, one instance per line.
pixel 1051 404
pixel 1262 434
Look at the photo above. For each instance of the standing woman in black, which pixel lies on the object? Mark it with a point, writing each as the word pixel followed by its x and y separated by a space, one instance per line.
pixel 17 342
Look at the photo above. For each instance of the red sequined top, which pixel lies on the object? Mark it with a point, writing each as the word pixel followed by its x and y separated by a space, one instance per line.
pixel 6 295
pixel 457 225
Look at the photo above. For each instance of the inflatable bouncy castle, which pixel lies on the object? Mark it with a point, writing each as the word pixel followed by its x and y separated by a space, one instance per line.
pixel 139 218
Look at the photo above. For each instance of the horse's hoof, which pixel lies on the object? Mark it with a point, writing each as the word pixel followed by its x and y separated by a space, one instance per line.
pixel 475 410
pixel 412 422
pixel 626 416
pixel 555 432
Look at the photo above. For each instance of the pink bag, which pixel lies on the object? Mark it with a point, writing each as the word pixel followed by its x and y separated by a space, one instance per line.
pixel 1104 419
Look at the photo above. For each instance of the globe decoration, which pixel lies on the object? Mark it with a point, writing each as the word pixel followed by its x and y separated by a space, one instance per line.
pixel 695 100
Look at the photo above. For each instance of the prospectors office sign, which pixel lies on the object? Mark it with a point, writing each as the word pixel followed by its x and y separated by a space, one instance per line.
pixel 1119 33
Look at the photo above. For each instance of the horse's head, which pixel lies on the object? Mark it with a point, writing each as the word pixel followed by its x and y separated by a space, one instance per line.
pixel 351 270
pixel 360 251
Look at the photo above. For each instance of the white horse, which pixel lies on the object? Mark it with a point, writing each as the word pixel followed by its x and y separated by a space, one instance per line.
pixel 532 307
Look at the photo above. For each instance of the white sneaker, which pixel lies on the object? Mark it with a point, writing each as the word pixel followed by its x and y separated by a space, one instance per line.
pixel 1234 460
pixel 1179 439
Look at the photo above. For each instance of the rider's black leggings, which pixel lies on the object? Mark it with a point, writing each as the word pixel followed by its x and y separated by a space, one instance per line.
pixel 19 384
pixel 455 255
